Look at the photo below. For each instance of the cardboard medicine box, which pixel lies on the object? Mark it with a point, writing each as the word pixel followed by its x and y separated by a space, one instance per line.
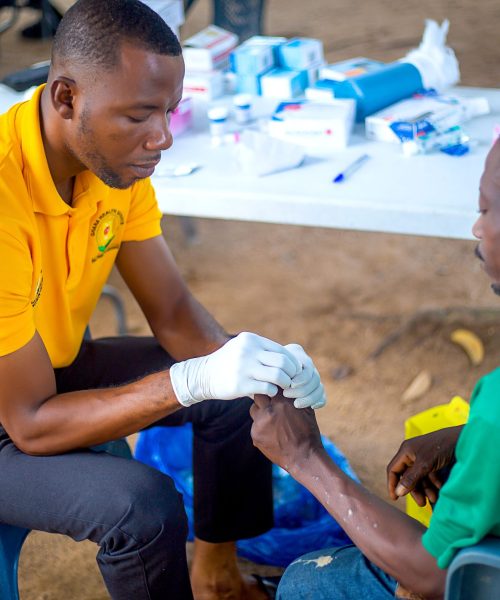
pixel 301 53
pixel 252 60
pixel 320 128
pixel 209 49
pixel 283 83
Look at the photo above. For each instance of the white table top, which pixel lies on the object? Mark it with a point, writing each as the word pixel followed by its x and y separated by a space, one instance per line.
pixel 432 195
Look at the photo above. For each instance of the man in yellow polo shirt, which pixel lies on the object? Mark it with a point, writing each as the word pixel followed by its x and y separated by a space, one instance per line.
pixel 75 163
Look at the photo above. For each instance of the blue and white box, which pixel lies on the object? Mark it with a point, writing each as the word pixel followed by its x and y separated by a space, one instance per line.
pixel 273 42
pixel 248 84
pixel 322 90
pixel 353 67
pixel 252 60
pixel 283 83
pixel 301 53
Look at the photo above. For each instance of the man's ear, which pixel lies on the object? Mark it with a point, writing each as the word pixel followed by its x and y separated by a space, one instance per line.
pixel 62 94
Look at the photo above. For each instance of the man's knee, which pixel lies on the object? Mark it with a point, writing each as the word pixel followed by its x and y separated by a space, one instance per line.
pixel 148 509
pixel 319 575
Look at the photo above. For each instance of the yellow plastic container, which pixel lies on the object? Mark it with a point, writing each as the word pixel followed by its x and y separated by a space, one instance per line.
pixel 456 412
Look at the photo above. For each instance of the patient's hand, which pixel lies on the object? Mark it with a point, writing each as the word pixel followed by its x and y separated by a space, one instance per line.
pixel 414 468
pixel 286 435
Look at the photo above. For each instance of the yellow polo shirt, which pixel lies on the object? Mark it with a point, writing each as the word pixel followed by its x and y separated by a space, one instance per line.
pixel 55 258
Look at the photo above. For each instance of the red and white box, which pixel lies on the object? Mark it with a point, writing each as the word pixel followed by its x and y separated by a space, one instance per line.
pixel 205 85
pixel 209 49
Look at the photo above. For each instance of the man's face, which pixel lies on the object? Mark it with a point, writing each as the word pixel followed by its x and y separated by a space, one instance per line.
pixel 121 120
pixel 487 226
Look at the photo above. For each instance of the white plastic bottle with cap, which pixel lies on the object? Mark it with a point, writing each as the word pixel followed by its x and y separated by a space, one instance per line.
pixel 217 117
pixel 242 108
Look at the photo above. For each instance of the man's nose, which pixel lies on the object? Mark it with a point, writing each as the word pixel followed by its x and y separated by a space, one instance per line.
pixel 160 137
pixel 476 228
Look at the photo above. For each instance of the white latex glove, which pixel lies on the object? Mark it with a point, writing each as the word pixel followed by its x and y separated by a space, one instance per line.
pixel 306 386
pixel 246 365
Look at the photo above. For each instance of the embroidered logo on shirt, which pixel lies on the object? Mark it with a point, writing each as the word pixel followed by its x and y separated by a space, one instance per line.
pixel 38 290
pixel 105 229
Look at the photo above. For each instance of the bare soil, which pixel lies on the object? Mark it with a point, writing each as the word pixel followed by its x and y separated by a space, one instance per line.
pixel 338 293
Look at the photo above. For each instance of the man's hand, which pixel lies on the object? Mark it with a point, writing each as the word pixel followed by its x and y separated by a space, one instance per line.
pixel 287 436
pixel 414 468
pixel 306 388
pixel 246 365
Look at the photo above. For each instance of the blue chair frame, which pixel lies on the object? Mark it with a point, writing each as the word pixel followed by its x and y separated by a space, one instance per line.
pixel 474 573
pixel 12 538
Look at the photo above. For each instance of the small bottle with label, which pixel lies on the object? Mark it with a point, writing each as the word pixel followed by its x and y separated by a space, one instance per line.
pixel 218 121
pixel 242 108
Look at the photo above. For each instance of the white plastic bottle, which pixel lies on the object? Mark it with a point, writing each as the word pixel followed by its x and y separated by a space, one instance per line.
pixel 218 122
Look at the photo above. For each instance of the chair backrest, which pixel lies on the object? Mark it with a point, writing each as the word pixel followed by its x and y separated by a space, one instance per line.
pixel 474 573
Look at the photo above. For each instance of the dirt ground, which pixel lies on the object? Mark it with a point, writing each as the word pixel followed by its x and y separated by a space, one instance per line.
pixel 338 293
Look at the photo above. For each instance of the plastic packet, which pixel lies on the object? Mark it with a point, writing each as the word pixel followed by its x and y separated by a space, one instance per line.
pixel 260 154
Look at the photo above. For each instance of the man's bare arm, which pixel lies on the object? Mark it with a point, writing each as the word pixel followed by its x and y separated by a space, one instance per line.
pixel 180 323
pixel 386 536
pixel 40 421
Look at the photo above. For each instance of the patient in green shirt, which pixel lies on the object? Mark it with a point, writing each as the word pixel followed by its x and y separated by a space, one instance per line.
pixel 469 503
pixel 393 554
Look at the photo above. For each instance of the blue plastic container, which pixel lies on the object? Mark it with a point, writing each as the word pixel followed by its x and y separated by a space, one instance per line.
pixel 301 523
pixel 378 89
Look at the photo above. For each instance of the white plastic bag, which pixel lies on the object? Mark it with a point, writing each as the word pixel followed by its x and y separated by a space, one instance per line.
pixel 260 154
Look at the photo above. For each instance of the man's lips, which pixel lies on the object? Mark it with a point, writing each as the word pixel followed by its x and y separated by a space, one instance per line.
pixel 478 254
pixel 145 169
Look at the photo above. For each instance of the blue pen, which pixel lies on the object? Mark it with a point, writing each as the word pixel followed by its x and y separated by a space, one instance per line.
pixel 348 171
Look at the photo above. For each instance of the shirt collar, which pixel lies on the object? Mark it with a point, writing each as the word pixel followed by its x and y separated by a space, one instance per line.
pixel 46 198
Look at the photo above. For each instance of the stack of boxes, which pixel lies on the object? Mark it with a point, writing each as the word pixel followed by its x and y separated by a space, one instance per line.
pixel 172 12
pixel 206 56
pixel 276 67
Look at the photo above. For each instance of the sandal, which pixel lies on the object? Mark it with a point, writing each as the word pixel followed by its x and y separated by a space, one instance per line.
pixel 269 585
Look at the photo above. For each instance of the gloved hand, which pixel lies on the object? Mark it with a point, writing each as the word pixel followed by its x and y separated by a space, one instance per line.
pixel 306 386
pixel 246 365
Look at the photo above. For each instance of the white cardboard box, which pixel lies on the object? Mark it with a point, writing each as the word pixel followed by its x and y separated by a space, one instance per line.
pixel 209 49
pixel 320 127
pixel 206 85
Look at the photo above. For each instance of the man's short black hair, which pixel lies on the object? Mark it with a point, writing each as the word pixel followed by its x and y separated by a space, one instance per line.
pixel 92 31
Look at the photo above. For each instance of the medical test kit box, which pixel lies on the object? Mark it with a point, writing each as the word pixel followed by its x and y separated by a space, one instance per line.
pixel 320 128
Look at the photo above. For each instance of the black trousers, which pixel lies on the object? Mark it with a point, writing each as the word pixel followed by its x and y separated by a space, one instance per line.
pixel 132 511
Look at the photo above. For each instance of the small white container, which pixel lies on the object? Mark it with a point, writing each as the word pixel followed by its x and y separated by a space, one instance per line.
pixel 218 121
pixel 242 108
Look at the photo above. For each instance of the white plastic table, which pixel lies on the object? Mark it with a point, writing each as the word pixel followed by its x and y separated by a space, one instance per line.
pixel 431 195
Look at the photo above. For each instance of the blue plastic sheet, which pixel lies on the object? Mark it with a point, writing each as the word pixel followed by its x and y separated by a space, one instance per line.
pixel 301 523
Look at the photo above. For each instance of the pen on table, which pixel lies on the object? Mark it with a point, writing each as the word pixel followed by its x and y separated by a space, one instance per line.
pixel 348 171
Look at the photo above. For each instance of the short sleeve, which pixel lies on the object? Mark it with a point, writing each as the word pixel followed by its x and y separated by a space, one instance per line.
pixel 17 322
pixel 144 216
pixel 468 508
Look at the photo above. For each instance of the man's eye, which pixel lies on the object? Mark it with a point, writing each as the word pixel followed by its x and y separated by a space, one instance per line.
pixel 136 119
